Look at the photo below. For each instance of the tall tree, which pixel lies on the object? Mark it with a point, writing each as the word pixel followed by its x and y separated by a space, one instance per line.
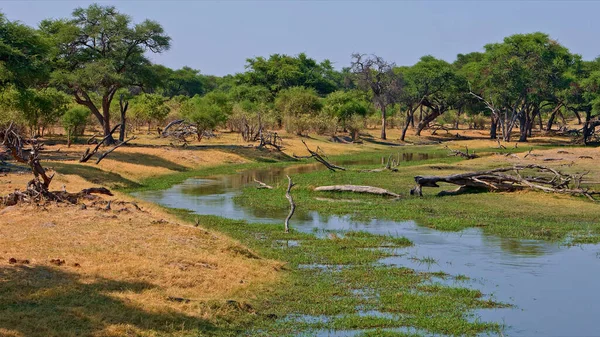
pixel 23 55
pixel 281 71
pixel 518 75
pixel 376 75
pixel 99 51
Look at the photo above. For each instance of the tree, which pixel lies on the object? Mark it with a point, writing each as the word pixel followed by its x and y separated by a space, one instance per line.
pixel 518 76
pixel 583 94
pixel 74 121
pixel 377 76
pixel 150 107
pixel 23 55
pixel 349 107
pixel 100 50
pixel 298 105
pixel 41 108
pixel 280 72
pixel 205 113
pixel 438 85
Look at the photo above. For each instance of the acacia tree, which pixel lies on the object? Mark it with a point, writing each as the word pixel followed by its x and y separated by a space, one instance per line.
pixel 281 71
pixel 99 51
pixel 518 76
pixel 376 75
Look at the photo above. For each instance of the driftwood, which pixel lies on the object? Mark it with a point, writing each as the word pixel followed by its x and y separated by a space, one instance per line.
pixel 292 204
pixel 38 188
pixel 16 145
pixel 262 185
pixel 270 139
pixel 465 154
pixel 320 159
pixel 501 180
pixel 357 189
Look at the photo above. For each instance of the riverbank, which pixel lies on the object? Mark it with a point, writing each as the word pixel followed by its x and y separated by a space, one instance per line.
pixel 151 273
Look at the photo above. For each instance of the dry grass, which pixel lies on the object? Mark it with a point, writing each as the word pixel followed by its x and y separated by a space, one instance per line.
pixel 129 263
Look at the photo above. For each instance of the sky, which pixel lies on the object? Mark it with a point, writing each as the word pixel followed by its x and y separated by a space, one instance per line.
pixel 218 37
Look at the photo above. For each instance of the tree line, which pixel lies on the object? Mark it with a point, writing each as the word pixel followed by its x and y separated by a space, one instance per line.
pixel 93 67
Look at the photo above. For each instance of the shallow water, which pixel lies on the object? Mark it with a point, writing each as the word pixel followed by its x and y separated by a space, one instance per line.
pixel 553 288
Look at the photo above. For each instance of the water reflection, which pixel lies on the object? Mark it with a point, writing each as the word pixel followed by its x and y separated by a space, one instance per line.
pixel 553 287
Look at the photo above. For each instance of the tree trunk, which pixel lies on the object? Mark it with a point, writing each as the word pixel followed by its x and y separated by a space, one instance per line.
pixel 587 127
pixel 523 125
pixel 493 127
pixel 409 116
pixel 383 123
pixel 578 116
pixel 123 108
pixel 428 118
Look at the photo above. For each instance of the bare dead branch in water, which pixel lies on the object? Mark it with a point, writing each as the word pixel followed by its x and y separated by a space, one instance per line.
pixel 292 204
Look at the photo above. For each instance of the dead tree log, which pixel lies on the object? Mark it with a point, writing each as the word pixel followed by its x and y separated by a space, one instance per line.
pixel 501 180
pixel 270 139
pixel 12 140
pixel 320 159
pixel 38 188
pixel 292 204
pixel 262 185
pixel 465 154
pixel 88 154
pixel 357 189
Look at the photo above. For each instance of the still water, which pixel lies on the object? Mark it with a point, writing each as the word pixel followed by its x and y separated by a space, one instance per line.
pixel 553 288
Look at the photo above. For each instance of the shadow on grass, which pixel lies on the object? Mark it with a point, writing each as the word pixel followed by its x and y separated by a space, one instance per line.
pixel 145 159
pixel 43 301
pixel 94 175
pixel 252 153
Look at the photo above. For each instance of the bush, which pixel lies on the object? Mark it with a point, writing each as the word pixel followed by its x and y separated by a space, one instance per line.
pixel 74 121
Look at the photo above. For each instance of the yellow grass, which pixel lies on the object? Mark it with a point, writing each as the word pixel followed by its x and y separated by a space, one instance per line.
pixel 135 259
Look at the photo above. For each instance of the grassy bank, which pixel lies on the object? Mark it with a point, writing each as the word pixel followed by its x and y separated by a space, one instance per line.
pixel 152 273
pixel 526 215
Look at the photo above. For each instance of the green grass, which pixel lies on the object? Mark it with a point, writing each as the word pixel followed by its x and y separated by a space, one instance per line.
pixel 501 214
pixel 330 279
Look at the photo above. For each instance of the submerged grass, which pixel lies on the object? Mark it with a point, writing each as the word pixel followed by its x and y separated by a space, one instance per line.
pixel 331 281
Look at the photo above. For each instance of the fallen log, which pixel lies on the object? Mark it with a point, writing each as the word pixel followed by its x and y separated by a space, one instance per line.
pixel 501 180
pixel 32 195
pixel 465 154
pixel 357 189
pixel 262 185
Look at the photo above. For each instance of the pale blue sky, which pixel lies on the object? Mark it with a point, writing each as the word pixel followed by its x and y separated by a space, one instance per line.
pixel 217 37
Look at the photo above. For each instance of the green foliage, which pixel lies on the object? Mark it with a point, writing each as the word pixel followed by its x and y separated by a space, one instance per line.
pixel 280 72
pixel 23 55
pixel 150 108
pixel 100 50
pixel 40 108
pixel 74 121
pixel 298 105
pixel 204 112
